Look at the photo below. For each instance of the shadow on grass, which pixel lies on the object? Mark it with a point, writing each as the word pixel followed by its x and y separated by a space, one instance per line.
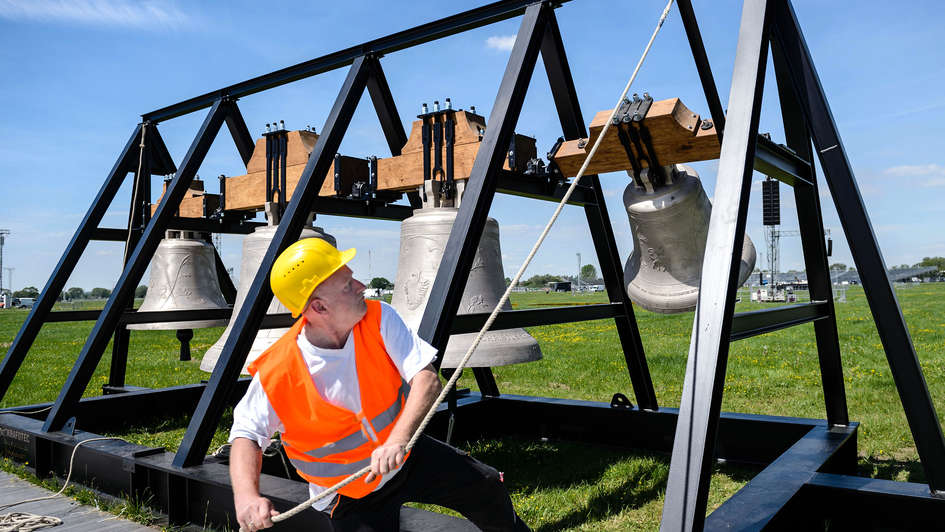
pixel 607 480
pixel 891 469
pixel 631 493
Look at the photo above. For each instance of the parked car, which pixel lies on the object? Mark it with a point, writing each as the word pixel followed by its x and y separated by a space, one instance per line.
pixel 24 302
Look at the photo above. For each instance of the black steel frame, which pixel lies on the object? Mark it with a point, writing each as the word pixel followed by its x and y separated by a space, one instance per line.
pixel 808 461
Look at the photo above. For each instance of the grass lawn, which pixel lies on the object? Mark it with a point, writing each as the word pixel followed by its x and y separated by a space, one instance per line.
pixel 563 486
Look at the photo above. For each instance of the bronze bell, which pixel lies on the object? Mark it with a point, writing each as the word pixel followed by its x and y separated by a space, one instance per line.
pixel 669 220
pixel 423 238
pixel 183 277
pixel 255 246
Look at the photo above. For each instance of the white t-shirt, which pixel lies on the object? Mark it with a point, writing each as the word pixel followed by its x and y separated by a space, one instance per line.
pixel 334 373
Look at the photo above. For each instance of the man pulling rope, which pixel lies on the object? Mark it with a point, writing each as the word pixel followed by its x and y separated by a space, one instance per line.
pixel 347 386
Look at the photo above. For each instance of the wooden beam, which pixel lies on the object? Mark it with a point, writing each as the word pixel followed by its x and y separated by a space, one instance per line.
pixel 248 192
pixel 679 136
pixel 196 203
pixel 405 171
pixel 299 146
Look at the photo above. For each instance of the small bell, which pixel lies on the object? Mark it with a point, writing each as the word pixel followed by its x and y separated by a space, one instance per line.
pixel 183 277
pixel 423 238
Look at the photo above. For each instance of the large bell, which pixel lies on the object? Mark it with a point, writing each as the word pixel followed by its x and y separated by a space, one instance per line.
pixel 183 277
pixel 670 223
pixel 423 238
pixel 255 246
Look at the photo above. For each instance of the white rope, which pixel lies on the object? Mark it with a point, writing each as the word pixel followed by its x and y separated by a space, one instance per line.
pixel 24 522
pixel 24 412
pixel 134 193
pixel 449 385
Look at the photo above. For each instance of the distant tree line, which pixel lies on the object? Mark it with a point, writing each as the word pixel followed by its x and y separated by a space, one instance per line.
pixel 76 292
pixel 937 262
pixel 588 276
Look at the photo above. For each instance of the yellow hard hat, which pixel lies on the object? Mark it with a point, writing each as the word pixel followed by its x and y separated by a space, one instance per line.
pixel 302 267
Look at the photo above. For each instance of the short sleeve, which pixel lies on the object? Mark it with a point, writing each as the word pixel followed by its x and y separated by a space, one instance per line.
pixel 409 352
pixel 254 418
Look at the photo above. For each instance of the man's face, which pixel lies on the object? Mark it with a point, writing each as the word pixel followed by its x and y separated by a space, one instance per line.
pixel 343 296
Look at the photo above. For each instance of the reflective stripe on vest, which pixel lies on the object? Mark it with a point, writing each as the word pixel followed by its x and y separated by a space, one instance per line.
pixel 329 469
pixel 357 439
pixel 326 442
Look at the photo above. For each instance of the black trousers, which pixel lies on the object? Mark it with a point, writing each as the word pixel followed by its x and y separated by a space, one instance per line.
pixel 435 473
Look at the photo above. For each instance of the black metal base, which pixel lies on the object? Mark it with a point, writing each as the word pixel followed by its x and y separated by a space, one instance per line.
pixel 805 483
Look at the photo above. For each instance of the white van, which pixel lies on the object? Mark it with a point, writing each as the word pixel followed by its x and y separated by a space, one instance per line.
pixel 26 302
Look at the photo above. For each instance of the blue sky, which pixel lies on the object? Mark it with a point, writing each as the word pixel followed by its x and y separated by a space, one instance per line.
pixel 75 76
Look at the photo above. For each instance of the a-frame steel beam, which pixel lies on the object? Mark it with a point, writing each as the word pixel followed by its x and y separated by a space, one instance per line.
pixel 386 109
pixel 480 189
pixel 602 233
pixel 246 323
pixel 159 159
pixel 693 447
pixel 91 354
pixel 437 29
pixel 240 133
pixel 57 281
pixel 140 198
pixel 387 113
pixel 893 333
pixel 811 224
pixel 702 65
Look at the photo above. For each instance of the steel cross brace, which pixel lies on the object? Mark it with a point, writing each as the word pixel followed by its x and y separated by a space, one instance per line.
pixel 811 224
pixel 693 448
pixel 894 335
pixel 572 124
pixel 91 353
pixel 158 157
pixel 700 404
pixel 365 72
pixel 538 33
pixel 480 189
pixel 808 207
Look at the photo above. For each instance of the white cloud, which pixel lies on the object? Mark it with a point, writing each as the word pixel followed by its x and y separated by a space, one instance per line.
pixel 125 13
pixel 934 172
pixel 501 42
pixel 915 170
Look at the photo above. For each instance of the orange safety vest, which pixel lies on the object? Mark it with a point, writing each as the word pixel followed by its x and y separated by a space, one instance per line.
pixel 327 443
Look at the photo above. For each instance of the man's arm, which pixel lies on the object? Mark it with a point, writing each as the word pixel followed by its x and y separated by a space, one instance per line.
pixel 253 512
pixel 425 387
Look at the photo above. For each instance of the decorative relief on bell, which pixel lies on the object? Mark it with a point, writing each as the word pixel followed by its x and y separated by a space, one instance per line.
pixel 477 303
pixel 417 284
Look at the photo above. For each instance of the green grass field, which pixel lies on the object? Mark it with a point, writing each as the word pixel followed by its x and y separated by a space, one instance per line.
pixel 563 486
